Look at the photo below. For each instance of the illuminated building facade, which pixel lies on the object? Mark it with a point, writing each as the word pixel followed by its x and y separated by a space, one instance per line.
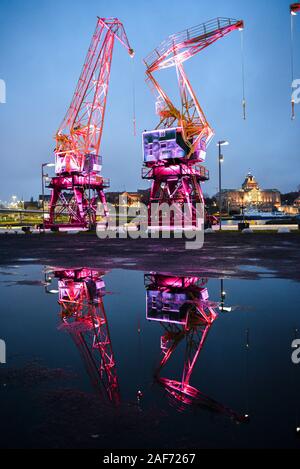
pixel 250 195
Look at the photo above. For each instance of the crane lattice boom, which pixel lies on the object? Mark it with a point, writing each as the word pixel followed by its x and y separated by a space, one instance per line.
pixel 78 139
pixel 83 124
pixel 174 51
pixel 183 45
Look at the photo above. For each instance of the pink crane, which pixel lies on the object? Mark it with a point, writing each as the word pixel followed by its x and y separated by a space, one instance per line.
pixel 78 182
pixel 174 151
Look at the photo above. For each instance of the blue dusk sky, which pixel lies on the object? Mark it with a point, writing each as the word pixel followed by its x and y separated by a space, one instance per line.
pixel 43 46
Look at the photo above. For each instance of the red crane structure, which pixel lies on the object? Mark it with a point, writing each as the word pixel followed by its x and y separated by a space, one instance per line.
pixel 182 306
pixel 78 182
pixel 174 151
pixel 83 316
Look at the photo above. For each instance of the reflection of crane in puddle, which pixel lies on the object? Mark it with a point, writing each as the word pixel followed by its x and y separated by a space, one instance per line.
pixel 182 307
pixel 81 292
pixel 180 304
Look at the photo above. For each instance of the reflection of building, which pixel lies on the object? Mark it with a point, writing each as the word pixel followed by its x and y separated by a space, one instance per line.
pixel 250 194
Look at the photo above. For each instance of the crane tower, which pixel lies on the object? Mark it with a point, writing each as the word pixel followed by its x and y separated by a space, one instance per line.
pixel 78 183
pixel 173 153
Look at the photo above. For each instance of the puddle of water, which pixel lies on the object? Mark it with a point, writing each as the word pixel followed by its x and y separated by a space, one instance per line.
pixel 256 268
pixel 27 259
pixel 83 362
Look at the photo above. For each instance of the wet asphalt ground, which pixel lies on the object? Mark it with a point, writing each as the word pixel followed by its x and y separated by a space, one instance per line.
pixel 226 254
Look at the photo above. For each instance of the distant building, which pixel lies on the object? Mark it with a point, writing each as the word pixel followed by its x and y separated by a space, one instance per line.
pixel 297 202
pixel 289 209
pixel 31 205
pixel 292 208
pixel 145 195
pixel 250 195
pixel 46 202
pixel 133 199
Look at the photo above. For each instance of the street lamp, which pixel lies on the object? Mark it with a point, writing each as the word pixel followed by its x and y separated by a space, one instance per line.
pixel 222 307
pixel 49 165
pixel 221 159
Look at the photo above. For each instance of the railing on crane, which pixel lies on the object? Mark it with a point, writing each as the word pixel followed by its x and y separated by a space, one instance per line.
pixel 183 45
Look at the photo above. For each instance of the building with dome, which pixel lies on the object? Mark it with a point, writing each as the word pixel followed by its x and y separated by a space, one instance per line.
pixel 250 195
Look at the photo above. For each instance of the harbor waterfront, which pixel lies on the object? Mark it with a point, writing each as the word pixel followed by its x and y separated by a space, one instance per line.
pixel 149 228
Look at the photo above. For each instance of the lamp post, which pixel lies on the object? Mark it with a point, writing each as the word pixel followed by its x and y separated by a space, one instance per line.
pixel 49 165
pixel 222 307
pixel 221 159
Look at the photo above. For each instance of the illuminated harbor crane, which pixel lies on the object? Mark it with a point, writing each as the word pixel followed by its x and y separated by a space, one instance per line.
pixel 78 183
pixel 183 308
pixel 80 296
pixel 294 9
pixel 174 151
